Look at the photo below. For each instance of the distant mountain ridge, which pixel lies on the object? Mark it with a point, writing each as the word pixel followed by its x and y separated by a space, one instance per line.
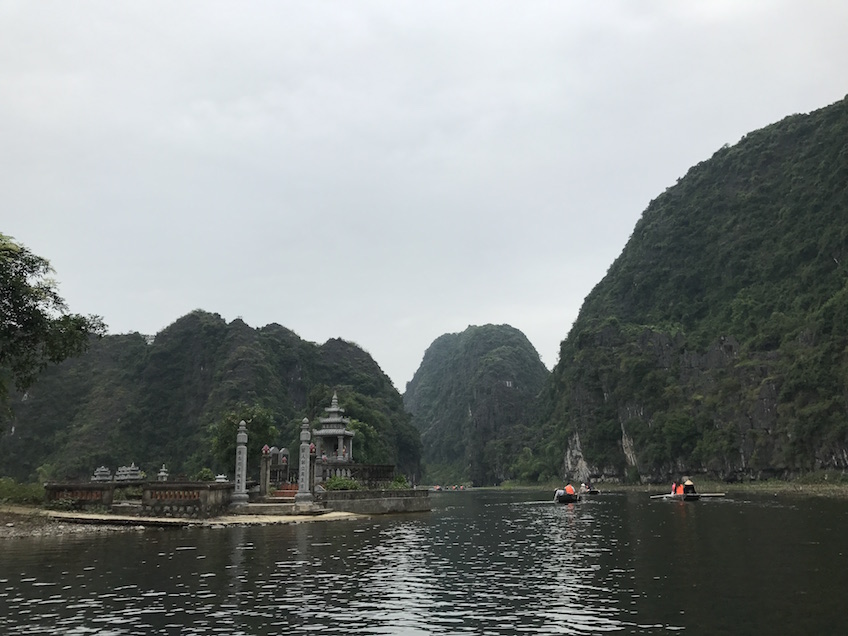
pixel 717 342
pixel 132 400
pixel 473 400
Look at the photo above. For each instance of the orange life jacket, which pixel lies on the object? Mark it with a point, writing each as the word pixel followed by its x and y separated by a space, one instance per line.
pixel 569 489
pixel 679 490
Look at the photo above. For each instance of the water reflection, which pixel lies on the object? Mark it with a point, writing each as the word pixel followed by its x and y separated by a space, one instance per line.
pixel 480 562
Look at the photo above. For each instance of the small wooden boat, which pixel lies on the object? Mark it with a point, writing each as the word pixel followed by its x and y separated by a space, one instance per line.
pixel 565 498
pixel 690 496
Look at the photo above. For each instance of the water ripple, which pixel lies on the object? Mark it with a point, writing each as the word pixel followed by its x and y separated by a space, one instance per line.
pixel 478 564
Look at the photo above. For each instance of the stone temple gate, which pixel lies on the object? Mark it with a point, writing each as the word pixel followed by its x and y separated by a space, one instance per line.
pixel 329 449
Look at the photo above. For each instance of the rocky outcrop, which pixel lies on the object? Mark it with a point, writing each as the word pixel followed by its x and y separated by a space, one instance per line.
pixel 718 339
pixel 733 400
pixel 474 400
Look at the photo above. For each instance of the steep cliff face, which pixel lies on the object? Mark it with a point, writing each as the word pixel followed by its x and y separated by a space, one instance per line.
pixel 473 399
pixel 718 340
pixel 153 402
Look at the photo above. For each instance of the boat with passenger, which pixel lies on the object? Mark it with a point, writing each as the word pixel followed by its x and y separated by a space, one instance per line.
pixel 566 495
pixel 685 491
pixel 692 496
pixel 588 489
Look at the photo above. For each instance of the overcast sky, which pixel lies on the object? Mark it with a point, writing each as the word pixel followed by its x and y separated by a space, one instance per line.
pixel 383 172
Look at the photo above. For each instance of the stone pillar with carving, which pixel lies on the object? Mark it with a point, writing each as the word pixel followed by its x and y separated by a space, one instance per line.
pixel 265 471
pixel 303 492
pixel 240 497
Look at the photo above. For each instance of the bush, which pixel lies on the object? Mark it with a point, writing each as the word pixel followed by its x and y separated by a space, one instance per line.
pixel 631 475
pixel 341 483
pixel 64 504
pixel 399 483
pixel 204 474
pixel 13 492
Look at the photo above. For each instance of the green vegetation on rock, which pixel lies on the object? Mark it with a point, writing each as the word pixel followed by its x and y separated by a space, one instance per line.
pixel 473 401
pixel 718 340
pixel 176 399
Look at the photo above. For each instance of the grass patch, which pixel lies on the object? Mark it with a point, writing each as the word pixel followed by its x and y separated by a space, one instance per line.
pixel 14 493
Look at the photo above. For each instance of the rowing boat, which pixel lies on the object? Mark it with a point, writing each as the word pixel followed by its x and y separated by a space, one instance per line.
pixel 690 496
pixel 567 498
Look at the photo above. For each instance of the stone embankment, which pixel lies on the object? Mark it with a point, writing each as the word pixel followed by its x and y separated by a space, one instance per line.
pixel 23 521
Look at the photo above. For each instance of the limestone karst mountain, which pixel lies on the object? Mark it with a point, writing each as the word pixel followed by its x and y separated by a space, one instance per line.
pixel 717 342
pixel 473 400
pixel 154 401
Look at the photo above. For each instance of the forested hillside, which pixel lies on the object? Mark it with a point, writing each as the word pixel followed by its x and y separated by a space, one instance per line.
pixel 175 400
pixel 716 343
pixel 473 400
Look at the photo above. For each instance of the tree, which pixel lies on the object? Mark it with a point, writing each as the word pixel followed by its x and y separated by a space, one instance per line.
pixel 260 431
pixel 35 326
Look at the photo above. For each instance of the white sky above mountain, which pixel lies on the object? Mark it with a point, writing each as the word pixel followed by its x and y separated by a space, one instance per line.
pixel 383 172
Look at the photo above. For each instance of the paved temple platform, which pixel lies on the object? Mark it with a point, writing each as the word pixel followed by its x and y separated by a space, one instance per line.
pixel 282 508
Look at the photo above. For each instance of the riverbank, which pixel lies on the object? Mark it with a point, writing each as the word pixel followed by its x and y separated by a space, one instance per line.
pixel 834 489
pixel 30 521
pixel 775 488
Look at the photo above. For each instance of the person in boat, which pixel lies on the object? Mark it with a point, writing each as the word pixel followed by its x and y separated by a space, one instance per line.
pixel 678 489
pixel 583 489
pixel 569 489
pixel 559 493
pixel 688 487
pixel 673 487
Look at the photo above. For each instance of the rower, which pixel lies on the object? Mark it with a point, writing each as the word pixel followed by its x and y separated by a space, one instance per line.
pixel 688 487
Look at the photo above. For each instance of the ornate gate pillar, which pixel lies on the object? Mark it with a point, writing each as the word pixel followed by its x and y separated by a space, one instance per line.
pixel 303 476
pixel 240 497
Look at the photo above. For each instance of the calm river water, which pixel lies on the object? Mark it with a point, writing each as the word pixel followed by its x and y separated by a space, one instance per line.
pixel 482 562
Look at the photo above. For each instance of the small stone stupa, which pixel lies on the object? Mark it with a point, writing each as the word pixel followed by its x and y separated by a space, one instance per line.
pixel 335 439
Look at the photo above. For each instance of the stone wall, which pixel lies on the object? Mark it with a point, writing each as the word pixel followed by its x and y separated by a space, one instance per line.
pixel 371 476
pixel 189 499
pixel 83 495
pixel 374 502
